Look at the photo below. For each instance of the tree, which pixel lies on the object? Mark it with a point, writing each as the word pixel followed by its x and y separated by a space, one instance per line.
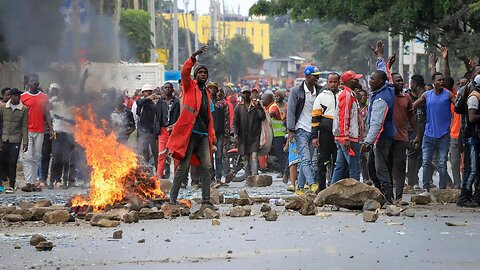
pixel 284 42
pixel 454 24
pixel 136 28
pixel 215 61
pixel 239 56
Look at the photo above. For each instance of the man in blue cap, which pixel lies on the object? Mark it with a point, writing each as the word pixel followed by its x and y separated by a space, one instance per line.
pixel 299 124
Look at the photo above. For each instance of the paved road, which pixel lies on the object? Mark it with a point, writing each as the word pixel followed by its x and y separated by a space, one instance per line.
pixel 340 241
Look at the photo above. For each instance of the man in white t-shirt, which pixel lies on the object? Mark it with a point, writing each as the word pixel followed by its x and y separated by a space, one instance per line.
pixel 299 124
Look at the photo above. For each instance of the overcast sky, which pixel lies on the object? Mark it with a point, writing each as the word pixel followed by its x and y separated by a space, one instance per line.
pixel 204 5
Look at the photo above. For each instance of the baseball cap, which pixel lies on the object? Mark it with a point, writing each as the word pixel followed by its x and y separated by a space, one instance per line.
pixel 214 84
pixel 246 88
pixel 348 75
pixel 311 70
pixel 147 87
pixel 255 89
pixel 477 80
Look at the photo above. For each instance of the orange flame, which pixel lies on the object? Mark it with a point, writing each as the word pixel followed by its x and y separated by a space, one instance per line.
pixel 115 169
pixel 186 202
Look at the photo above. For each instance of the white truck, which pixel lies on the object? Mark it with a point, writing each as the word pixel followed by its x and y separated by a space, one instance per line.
pixel 124 77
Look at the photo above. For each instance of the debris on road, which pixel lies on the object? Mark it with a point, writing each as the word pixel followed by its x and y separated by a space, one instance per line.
pixel 421 199
pixel 370 216
pixel 259 181
pixel 44 246
pixel 117 234
pixel 36 239
pixel 349 193
pixel 456 224
pixel 271 215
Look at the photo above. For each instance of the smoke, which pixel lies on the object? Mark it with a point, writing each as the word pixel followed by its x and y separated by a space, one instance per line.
pixel 58 31
pixel 32 30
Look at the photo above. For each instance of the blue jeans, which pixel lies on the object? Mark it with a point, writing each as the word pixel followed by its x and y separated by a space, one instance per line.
pixel 472 163
pixel 429 147
pixel 346 161
pixel 219 156
pixel 303 148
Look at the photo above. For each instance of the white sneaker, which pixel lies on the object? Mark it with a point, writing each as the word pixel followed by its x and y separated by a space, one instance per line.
pixel 425 193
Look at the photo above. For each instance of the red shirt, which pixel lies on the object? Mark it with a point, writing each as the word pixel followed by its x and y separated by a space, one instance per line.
pixel 37 105
pixel 403 104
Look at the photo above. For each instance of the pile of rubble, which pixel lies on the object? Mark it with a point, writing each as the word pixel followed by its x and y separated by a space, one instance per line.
pixel 348 193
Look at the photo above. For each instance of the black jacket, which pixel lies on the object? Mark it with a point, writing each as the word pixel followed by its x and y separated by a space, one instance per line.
pixel 162 118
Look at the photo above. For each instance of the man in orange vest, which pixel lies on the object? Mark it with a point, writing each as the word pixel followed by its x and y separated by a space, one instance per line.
pixel 193 135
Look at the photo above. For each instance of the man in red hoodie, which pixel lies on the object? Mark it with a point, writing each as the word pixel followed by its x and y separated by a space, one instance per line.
pixel 193 135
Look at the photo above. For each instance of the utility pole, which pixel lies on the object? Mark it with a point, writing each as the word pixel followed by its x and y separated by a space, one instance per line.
pixel 390 42
pixel 196 27
pixel 400 55
pixel 187 28
pixel 175 35
pixel 151 11
pixel 412 58
pixel 116 27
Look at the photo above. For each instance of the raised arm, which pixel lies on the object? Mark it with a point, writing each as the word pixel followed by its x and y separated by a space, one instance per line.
pixel 187 68
pixel 419 102
pixel 444 53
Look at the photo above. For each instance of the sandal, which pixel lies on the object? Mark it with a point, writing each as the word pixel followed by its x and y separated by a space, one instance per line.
pixel 9 190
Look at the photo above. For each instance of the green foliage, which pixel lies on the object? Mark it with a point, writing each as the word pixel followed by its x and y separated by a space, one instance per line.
pixel 284 42
pixel 136 28
pixel 454 24
pixel 216 61
pixel 239 56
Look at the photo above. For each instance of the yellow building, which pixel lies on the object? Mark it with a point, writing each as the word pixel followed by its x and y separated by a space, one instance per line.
pixel 258 33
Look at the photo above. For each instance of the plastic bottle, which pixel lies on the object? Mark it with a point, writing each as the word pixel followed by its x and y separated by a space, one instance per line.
pixel 277 202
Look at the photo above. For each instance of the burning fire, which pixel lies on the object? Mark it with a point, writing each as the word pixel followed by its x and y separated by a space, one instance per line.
pixel 115 169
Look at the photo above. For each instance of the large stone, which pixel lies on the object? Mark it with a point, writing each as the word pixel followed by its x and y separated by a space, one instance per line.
pixel 171 210
pixel 304 204
pixel 370 216
pixel 240 211
pixel 165 185
pixel 36 239
pixel 39 212
pixel 259 181
pixel 409 213
pixel 44 246
pixel 131 217
pixel 421 199
pixel 105 223
pixel 265 207
pixel 116 214
pixel 57 216
pixel 14 218
pixel 308 208
pixel 392 210
pixel 210 213
pixel 26 213
pixel 243 195
pixel 7 210
pixel 241 202
pixel 117 234
pixel 26 205
pixel 215 197
pixel 349 193
pixel 43 203
pixel 446 195
pixel 371 205
pixel 271 215
pixel 150 214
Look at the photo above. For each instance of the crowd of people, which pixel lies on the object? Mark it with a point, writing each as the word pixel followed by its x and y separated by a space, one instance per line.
pixel 381 134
